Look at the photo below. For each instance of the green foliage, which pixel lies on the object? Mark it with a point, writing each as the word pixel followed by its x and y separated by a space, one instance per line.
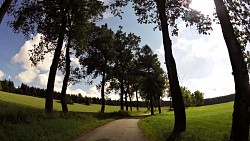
pixel 147 13
pixel 203 123
pixel 186 96
pixel 198 98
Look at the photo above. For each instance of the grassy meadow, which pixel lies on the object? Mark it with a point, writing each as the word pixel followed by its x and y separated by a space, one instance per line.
pixel 22 118
pixel 206 123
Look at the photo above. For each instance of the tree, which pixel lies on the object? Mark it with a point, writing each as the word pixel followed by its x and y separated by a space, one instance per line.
pixel 125 46
pixel 153 80
pixel 240 124
pixel 46 17
pixel 164 13
pixel 186 97
pixel 4 8
pixel 99 55
pixel 198 98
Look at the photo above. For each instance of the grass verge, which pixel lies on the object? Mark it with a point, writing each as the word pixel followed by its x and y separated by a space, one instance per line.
pixel 19 123
pixel 207 123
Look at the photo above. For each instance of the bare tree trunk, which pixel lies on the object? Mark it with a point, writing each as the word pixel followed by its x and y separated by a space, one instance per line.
pixel 240 123
pixel 130 102
pixel 4 8
pixel 137 103
pixel 66 79
pixel 159 104
pixel 102 91
pixel 126 100
pixel 122 91
pixel 151 104
pixel 54 65
pixel 178 104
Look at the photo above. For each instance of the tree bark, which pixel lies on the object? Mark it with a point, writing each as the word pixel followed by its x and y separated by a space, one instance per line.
pixel 178 104
pixel 137 103
pixel 4 8
pixel 54 65
pixel 151 104
pixel 130 102
pixel 122 91
pixel 240 123
pixel 102 91
pixel 159 104
pixel 66 79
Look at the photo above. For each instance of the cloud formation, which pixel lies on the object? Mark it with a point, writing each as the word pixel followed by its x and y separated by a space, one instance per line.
pixel 1 74
pixel 202 63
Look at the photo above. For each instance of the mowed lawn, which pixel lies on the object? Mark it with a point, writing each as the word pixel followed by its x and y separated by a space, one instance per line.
pixel 23 118
pixel 206 123
pixel 40 102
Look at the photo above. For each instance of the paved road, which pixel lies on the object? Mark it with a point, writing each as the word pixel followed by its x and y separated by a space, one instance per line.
pixel 118 130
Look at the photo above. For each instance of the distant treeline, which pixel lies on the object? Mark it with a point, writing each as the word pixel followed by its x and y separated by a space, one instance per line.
pixel 8 86
pixel 217 100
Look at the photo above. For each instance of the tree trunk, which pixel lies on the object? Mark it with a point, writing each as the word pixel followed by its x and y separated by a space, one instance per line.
pixel 126 100
pixel 137 103
pixel 4 8
pixel 240 123
pixel 66 79
pixel 102 91
pixel 159 104
pixel 130 102
pixel 151 104
pixel 178 104
pixel 53 67
pixel 122 91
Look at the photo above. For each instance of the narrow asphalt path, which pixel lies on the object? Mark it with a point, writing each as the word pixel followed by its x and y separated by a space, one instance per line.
pixel 126 129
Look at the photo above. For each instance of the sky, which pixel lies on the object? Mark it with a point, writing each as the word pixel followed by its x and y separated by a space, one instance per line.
pixel 202 60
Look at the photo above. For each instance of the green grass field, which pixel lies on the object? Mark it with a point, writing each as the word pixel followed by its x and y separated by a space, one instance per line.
pixel 22 118
pixel 207 123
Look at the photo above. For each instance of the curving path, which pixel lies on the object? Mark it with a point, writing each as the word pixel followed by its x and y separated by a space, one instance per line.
pixel 119 130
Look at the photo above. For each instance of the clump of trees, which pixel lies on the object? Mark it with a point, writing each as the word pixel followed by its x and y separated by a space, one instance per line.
pixel 192 99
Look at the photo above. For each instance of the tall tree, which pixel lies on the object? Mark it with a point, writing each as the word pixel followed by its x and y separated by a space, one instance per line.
pixel 46 17
pixel 164 13
pixel 3 9
pixel 240 124
pixel 125 46
pixel 99 55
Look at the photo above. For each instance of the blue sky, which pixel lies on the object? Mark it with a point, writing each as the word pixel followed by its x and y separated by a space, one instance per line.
pixel 202 61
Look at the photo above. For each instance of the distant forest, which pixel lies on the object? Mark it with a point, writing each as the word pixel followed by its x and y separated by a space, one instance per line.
pixel 8 86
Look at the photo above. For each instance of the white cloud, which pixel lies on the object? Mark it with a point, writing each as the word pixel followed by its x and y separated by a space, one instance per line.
pixel 202 63
pixel 205 6
pixel 1 74
pixel 28 75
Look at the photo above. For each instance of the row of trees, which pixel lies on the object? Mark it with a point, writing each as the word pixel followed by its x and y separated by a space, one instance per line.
pixel 58 20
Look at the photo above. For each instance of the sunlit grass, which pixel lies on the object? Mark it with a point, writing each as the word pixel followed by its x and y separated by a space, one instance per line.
pixel 208 123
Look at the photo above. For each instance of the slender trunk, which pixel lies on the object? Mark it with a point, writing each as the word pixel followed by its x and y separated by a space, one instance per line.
pixel 126 100
pixel 66 78
pixel 126 96
pixel 54 65
pixel 122 91
pixel 178 104
pixel 151 104
pixel 130 102
pixel 102 91
pixel 4 8
pixel 240 123
pixel 137 103
pixel 159 104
